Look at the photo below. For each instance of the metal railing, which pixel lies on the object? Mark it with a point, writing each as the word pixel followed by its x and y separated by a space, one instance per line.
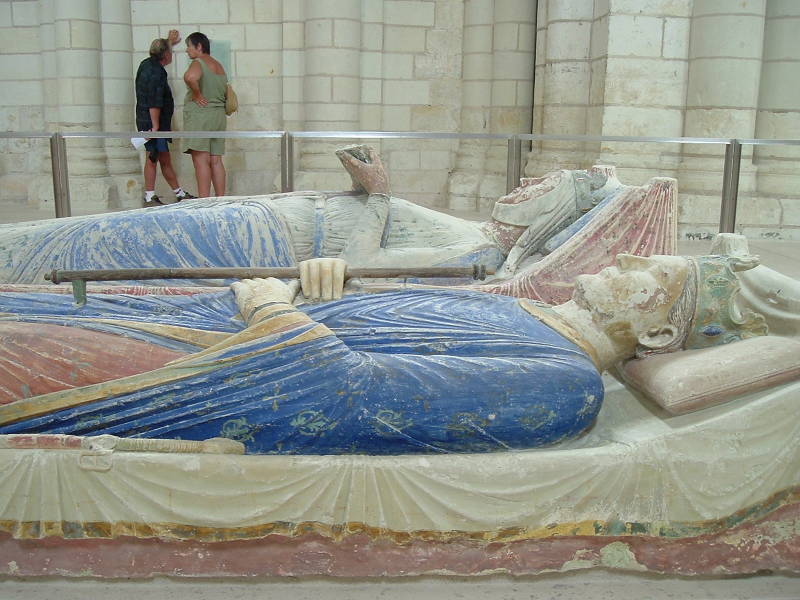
pixel 730 176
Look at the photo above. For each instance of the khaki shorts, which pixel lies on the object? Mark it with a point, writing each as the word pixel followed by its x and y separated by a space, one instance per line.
pixel 205 120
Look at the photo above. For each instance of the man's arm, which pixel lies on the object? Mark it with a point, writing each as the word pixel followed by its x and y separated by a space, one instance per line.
pixel 155 117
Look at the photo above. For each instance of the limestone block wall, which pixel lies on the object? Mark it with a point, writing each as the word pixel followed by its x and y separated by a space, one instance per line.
pixel 778 178
pixel 396 65
pixel 725 63
pixel 612 67
pixel 21 99
pixel 671 68
pixel 710 68
pixel 392 65
pixel 496 96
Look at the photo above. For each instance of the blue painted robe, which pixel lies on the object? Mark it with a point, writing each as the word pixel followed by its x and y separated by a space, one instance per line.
pixel 414 371
pixel 200 233
pixel 216 234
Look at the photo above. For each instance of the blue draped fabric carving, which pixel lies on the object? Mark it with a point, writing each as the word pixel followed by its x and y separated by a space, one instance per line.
pixel 404 372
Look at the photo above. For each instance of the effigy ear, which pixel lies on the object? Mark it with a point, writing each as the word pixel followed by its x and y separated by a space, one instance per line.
pixel 658 337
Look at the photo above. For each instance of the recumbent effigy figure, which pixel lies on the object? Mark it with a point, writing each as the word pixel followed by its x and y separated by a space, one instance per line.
pixel 579 219
pixel 414 371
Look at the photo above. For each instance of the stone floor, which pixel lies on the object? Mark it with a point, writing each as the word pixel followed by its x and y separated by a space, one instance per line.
pixel 584 585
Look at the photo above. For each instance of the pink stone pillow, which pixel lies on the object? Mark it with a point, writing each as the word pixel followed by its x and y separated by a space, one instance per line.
pixel 685 381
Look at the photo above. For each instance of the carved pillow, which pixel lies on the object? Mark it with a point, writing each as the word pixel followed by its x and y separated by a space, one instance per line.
pixel 685 381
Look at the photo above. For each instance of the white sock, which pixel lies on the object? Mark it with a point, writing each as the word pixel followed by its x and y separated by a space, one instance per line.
pixel 148 196
pixel 179 191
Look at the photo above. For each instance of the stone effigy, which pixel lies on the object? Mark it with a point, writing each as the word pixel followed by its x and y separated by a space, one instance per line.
pixel 415 371
pixel 367 230
pixel 696 493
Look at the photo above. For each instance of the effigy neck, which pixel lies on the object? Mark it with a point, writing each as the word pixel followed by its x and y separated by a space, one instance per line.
pixel 604 350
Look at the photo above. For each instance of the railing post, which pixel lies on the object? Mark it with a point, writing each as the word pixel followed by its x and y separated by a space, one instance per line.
pixel 287 162
pixel 58 158
pixel 513 163
pixel 730 187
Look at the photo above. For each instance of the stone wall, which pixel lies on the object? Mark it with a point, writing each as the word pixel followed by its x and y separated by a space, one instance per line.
pixel 710 68
pixel 395 65
pixel 676 68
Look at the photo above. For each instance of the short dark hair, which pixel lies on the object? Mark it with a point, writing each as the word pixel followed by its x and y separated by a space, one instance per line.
pixel 199 38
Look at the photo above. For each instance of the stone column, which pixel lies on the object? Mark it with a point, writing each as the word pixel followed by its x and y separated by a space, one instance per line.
pixel 778 200
pixel 496 97
pixel 331 69
pixel 611 67
pixel 563 82
pixel 721 101
pixel 118 107
pixel 23 163
pixel 79 93
pixel 424 166
pixel 640 63
pixel 74 97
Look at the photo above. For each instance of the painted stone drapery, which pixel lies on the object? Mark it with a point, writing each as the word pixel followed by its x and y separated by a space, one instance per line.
pixel 407 372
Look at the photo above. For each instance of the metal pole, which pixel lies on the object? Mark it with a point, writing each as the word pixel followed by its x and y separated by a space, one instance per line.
pixel 284 143
pixel 287 162
pixel 514 162
pixel 730 187
pixel 60 276
pixel 58 159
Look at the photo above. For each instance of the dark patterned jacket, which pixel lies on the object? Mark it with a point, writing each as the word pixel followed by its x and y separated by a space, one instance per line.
pixel 152 91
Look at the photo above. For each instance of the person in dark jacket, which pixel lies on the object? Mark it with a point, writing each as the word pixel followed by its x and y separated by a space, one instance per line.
pixel 154 109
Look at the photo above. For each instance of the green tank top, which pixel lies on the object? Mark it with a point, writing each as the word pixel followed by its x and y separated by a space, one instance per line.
pixel 212 86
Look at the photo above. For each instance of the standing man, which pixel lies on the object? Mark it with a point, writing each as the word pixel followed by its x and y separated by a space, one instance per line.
pixel 154 108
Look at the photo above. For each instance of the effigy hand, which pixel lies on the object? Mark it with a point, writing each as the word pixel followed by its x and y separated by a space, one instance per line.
pixel 322 278
pixel 366 169
pixel 252 293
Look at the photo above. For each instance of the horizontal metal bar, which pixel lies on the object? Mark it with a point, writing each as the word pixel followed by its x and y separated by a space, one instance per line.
pixel 620 138
pixel 56 276
pixel 417 135
pixel 175 134
pixel 393 135
pixel 25 134
pixel 762 142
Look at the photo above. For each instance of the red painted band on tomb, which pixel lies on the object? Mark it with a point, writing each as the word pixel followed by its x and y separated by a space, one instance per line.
pixel 771 543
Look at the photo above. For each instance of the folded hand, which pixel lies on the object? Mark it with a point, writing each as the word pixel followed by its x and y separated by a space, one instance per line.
pixel 322 278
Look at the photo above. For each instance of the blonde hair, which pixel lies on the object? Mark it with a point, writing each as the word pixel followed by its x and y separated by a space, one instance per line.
pixel 158 48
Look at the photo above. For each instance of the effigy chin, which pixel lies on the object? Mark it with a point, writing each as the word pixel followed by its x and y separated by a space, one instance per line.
pixel 690 495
